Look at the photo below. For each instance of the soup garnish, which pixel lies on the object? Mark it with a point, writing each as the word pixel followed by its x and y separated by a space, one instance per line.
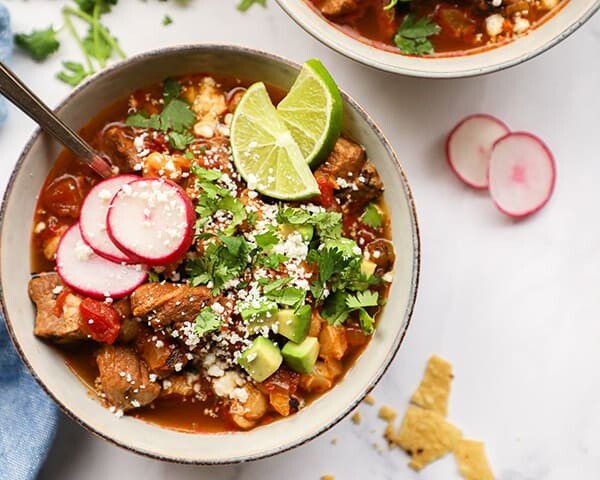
pixel 219 307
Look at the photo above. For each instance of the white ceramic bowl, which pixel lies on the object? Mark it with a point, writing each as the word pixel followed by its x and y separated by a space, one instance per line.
pixel 561 24
pixel 48 366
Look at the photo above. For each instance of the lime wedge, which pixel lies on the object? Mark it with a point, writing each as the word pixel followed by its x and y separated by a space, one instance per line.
pixel 312 111
pixel 264 152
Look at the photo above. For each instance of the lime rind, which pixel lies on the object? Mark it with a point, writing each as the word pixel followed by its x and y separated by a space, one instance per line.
pixel 313 110
pixel 265 152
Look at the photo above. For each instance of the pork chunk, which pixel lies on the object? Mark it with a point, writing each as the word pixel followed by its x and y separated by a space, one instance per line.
pixel 345 161
pixel 117 143
pixel 246 415
pixel 337 8
pixel 166 303
pixel 60 322
pixel 369 187
pixel 124 378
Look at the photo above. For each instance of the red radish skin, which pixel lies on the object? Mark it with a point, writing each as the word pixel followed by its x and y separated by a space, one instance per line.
pixel 92 220
pixel 92 275
pixel 468 147
pixel 152 219
pixel 522 174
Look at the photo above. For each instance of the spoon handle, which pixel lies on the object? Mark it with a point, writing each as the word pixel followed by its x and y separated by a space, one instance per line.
pixel 16 91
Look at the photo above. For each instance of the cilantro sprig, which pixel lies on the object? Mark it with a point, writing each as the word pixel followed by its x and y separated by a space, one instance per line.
pixel 339 306
pixel 206 321
pixel 327 224
pixel 372 217
pixel 39 44
pixel 412 37
pixel 244 5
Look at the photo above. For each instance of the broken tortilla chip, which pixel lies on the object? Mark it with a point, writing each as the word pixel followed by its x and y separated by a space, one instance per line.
pixel 425 435
pixel 434 391
pixel 472 461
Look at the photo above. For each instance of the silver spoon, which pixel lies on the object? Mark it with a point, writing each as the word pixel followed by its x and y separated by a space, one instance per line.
pixel 16 91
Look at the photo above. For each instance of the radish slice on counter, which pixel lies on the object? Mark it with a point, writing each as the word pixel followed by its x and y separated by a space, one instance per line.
pixel 152 219
pixel 92 275
pixel 521 174
pixel 92 221
pixel 469 145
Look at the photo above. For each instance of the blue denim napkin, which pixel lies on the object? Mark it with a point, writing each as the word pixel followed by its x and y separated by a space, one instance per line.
pixel 28 417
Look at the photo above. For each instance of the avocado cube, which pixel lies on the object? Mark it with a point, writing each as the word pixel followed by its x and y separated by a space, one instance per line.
pixel 301 357
pixel 294 325
pixel 306 231
pixel 261 359
pixel 367 267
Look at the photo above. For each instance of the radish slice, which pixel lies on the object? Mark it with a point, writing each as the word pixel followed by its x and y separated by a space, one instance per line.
pixel 92 220
pixel 152 219
pixel 521 174
pixel 469 145
pixel 92 275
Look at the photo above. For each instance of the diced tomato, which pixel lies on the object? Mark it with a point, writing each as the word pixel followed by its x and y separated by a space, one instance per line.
pixel 386 19
pixel 101 321
pixel 283 379
pixel 326 189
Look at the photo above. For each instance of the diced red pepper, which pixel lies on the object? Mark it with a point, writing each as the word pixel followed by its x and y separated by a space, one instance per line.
pixel 326 188
pixel 100 321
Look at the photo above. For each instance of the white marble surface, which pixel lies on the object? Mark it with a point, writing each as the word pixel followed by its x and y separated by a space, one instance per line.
pixel 514 306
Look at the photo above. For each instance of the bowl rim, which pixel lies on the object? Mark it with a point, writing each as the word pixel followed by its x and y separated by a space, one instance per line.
pixel 415 274
pixel 307 26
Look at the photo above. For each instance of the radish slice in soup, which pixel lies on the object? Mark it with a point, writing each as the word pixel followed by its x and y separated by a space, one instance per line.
pixel 92 275
pixel 469 145
pixel 521 174
pixel 92 221
pixel 152 219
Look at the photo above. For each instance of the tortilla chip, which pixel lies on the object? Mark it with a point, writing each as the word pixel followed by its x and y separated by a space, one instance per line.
pixel 472 461
pixel 425 435
pixel 434 391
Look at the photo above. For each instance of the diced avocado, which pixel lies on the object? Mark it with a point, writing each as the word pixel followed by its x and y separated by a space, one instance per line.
pixel 257 318
pixel 306 231
pixel 346 246
pixel 301 357
pixel 261 359
pixel 367 267
pixel 294 325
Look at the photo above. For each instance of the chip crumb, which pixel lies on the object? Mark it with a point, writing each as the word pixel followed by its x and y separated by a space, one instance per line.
pixel 387 413
pixel 327 477
pixel 434 391
pixel 425 435
pixel 369 400
pixel 356 418
pixel 472 461
pixel 378 447
pixel 334 441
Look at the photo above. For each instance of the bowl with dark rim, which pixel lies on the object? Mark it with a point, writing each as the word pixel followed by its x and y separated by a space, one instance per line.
pixel 48 366
pixel 557 25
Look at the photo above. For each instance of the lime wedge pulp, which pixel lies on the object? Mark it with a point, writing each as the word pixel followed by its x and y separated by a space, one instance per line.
pixel 264 152
pixel 312 111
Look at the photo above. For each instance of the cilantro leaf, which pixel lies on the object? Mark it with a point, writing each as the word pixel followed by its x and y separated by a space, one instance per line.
pixel 362 300
pixel 366 321
pixel 412 35
pixel 167 20
pixel 267 239
pixel 206 174
pixel 73 73
pixel 246 4
pixel 171 89
pixel 271 261
pixel 98 47
pixel 335 311
pixel 176 115
pixel 206 321
pixel 179 141
pixel 153 276
pixel 88 6
pixel 39 44
pixel 371 217
pixel 142 120
pixel 270 285
pixel 328 224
